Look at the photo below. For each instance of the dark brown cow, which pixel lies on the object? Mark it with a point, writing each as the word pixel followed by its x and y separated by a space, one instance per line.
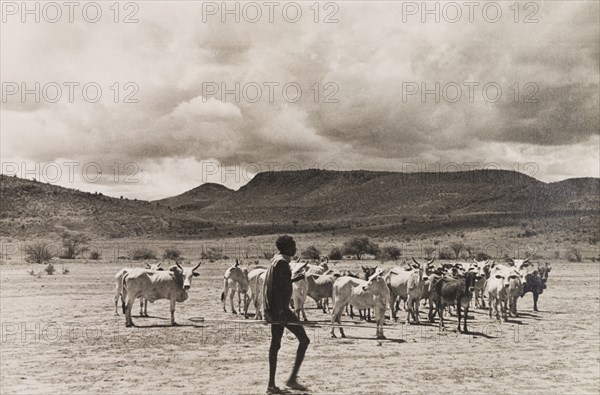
pixel 454 291
pixel 536 283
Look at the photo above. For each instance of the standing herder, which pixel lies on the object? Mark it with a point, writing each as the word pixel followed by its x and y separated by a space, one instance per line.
pixel 277 294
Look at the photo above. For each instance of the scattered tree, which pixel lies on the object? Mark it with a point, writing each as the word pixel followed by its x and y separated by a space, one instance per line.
pixel 311 252
pixel 143 253
pixel 95 255
pixel 335 254
pixel 172 253
pixel 574 255
pixel 74 244
pixel 212 253
pixel 359 246
pixel 428 251
pixel 38 252
pixel 457 248
pixel 390 253
pixel 445 253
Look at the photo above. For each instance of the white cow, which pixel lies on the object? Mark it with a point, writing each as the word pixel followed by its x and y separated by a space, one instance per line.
pixel 171 284
pixel 520 264
pixel 119 288
pixel 299 288
pixel 407 284
pixel 496 289
pixel 256 280
pixel 483 273
pixel 235 280
pixel 321 268
pixel 372 293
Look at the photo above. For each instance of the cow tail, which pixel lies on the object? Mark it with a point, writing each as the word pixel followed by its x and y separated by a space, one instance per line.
pixel 224 288
pixel 124 293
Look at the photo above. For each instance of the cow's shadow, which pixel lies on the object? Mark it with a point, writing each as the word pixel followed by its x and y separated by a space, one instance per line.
pixel 154 326
pixel 387 340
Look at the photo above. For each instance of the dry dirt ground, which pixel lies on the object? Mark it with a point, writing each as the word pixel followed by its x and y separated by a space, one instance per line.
pixel 60 335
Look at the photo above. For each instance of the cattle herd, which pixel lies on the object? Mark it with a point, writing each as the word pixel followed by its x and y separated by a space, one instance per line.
pixel 441 287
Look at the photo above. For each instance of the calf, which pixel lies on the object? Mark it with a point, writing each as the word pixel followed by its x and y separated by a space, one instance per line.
pixel 153 285
pixel 451 291
pixel 372 293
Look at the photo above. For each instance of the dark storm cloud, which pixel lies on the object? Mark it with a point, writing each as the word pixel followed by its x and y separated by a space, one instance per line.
pixel 368 56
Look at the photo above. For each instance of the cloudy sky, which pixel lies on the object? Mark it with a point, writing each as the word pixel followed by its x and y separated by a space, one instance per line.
pixel 300 92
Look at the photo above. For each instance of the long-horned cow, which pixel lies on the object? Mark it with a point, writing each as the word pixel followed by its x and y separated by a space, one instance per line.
pixel 536 283
pixel 454 291
pixel 407 284
pixel 171 284
pixel 372 293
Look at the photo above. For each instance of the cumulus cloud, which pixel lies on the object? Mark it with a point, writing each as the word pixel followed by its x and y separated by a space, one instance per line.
pixel 311 94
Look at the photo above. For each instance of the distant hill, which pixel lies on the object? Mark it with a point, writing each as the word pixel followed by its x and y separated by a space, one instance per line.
pixel 318 195
pixel 300 201
pixel 31 208
pixel 197 198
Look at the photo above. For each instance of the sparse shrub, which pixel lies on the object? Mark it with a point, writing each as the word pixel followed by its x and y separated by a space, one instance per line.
pixel 38 253
pixel 390 253
pixel 574 255
pixel 482 256
pixel 172 253
pixel 267 254
pixel 50 269
pixel 457 248
pixel 335 254
pixel 74 244
pixel 311 252
pixel 65 270
pixel 428 251
pixel 95 255
pixel 212 253
pixel 143 253
pixel 556 254
pixel 445 253
pixel 469 250
pixel 359 246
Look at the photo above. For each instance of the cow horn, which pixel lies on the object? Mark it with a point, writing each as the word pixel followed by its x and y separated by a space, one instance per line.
pixel 526 260
pixel 431 261
pixel 147 265
pixel 159 263
pixel 178 265
pixel 237 263
pixel 415 261
pixel 197 266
